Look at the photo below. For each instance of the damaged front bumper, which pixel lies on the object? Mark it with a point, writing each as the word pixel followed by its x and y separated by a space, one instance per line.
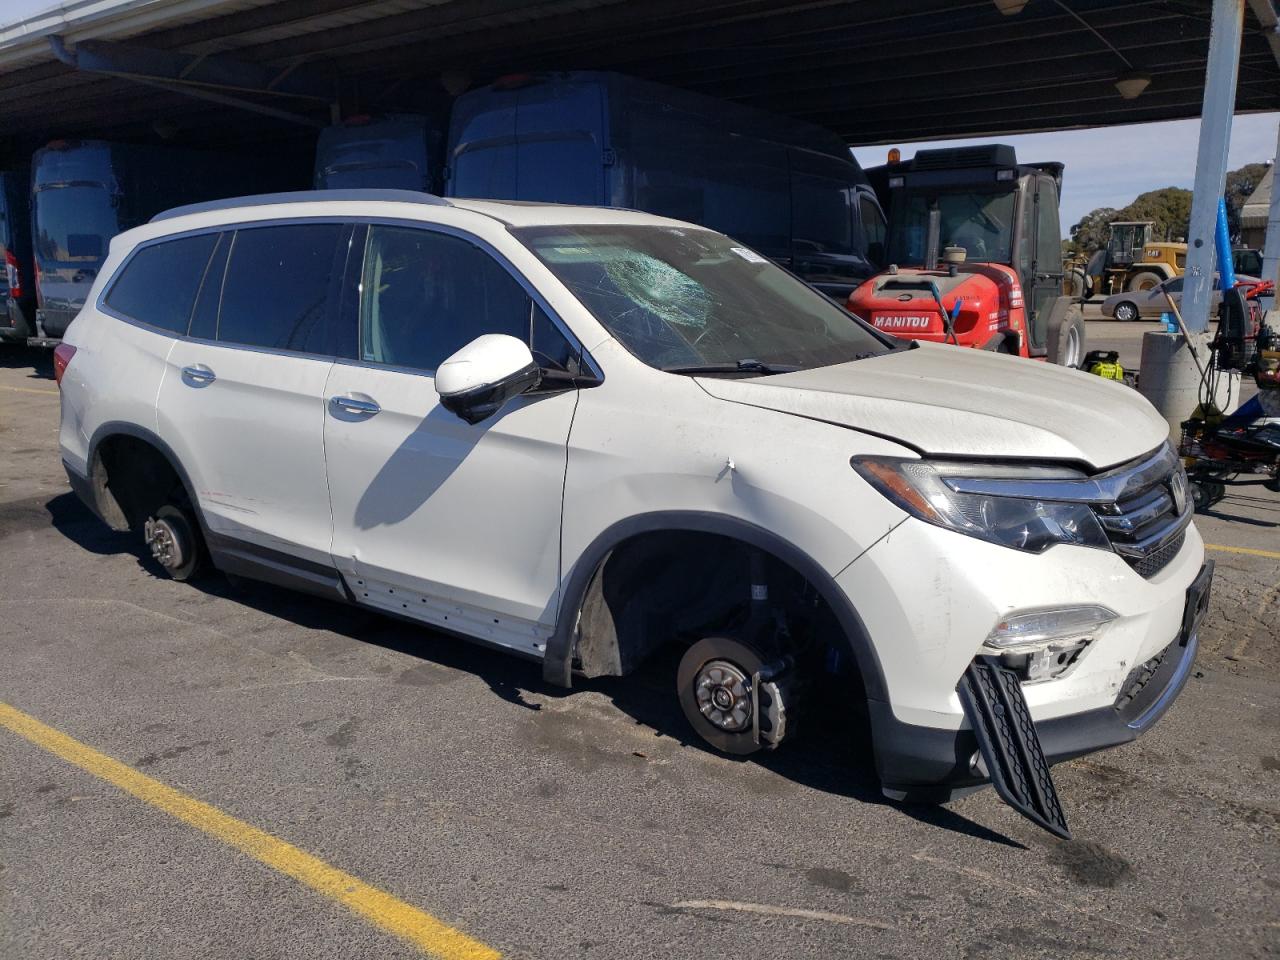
pixel 929 764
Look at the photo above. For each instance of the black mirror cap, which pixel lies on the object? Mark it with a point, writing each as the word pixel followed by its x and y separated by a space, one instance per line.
pixel 483 402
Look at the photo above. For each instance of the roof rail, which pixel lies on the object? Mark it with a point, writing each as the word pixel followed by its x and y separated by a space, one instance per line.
pixel 303 196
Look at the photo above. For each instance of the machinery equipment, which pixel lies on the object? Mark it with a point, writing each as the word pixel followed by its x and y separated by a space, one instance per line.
pixel 1132 260
pixel 974 248
pixel 1242 449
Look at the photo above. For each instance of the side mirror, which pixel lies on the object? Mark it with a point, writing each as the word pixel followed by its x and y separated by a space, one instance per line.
pixel 476 381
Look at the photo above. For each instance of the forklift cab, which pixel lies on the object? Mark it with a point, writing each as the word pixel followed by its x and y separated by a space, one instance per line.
pixel 1000 212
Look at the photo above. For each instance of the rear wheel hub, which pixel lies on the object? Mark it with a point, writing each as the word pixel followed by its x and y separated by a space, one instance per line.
pixel 165 543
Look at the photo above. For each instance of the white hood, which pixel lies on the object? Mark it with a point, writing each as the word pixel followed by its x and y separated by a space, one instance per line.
pixel 946 400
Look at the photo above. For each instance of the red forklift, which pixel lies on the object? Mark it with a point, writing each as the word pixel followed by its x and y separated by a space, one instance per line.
pixel 975 255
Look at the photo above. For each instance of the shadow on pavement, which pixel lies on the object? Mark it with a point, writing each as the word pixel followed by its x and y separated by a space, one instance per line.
pixel 844 769
pixel 40 362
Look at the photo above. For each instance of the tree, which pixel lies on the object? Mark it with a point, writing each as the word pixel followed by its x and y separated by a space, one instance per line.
pixel 1091 232
pixel 1241 183
pixel 1169 207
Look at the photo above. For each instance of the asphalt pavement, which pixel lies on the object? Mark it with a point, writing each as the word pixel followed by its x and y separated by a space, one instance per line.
pixel 370 755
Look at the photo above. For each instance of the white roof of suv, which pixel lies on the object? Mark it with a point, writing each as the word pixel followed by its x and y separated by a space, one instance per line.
pixel 516 213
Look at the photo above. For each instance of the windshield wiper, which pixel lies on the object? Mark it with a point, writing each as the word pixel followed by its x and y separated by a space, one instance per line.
pixel 748 365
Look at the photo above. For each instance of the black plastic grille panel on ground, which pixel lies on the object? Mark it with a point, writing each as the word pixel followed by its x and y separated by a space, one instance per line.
pixel 1001 720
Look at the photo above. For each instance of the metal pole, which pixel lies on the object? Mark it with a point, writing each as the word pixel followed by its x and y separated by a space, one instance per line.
pixel 1211 159
pixel 1271 246
pixel 1169 377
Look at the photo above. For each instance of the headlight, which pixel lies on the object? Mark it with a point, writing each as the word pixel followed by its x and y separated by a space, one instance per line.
pixel 1012 509
pixel 1045 644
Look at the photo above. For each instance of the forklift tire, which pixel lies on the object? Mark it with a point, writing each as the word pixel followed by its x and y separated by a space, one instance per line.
pixel 1066 338
pixel 1077 285
pixel 1143 280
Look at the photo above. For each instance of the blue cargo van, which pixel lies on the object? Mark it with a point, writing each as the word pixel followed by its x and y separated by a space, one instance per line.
pixel 17 284
pixel 791 190
pixel 85 192
pixel 397 152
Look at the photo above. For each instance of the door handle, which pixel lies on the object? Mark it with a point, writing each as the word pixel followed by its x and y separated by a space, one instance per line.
pixel 354 405
pixel 198 375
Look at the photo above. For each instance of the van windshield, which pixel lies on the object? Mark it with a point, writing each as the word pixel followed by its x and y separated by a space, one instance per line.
pixel 684 299
pixel 74 222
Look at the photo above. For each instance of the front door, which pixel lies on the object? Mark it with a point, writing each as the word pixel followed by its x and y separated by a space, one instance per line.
pixel 434 518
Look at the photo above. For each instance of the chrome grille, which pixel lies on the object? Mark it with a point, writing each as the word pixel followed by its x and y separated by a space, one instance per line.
pixel 1147 510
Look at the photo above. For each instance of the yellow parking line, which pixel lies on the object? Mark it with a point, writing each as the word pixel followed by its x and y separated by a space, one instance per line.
pixel 1250 551
pixel 381 909
pixel 47 393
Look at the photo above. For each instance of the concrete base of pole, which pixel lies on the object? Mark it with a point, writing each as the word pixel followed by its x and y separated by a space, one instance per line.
pixel 1169 378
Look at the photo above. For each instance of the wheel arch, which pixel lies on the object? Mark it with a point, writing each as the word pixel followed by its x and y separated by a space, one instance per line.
pixel 558 659
pixel 105 501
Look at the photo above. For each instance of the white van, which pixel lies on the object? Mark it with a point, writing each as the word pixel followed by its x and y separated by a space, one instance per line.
pixel 585 434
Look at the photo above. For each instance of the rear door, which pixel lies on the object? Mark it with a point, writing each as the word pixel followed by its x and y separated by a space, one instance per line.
pixel 434 518
pixel 242 401
pixel 560 149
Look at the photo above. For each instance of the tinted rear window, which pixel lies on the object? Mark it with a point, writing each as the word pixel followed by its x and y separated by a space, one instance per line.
pixel 159 283
pixel 278 285
pixel 74 223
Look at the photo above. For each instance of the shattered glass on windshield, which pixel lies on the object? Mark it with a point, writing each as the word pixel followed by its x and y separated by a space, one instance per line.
pixel 678 298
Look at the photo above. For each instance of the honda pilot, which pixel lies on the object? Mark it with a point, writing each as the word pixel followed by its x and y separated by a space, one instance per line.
pixel 588 435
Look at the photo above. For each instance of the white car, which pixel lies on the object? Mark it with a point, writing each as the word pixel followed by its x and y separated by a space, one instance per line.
pixel 583 435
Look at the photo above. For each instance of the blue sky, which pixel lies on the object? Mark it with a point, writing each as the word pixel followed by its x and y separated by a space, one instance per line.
pixel 1109 166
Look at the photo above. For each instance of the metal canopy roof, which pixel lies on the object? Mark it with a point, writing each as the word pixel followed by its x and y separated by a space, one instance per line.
pixel 871 70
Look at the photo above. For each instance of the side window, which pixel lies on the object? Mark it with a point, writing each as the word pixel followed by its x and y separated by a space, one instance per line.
pixel 820 220
pixel 1049 237
pixel 158 286
pixel 279 283
pixel 872 228
pixel 426 295
pixel 550 347
pixel 1175 285
pixel 204 319
pixel 1026 235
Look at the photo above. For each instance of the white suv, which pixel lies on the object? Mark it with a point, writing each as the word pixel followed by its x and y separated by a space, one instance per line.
pixel 586 434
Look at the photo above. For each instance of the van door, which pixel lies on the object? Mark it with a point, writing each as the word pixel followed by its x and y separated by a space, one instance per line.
pixel 560 152
pixel 454 524
pixel 544 141
pixel 243 406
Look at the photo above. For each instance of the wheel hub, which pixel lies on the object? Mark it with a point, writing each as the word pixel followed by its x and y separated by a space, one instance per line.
pixel 163 542
pixel 1073 348
pixel 723 692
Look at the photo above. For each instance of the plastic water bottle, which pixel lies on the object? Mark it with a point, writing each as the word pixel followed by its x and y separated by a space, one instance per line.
pixel 1170 324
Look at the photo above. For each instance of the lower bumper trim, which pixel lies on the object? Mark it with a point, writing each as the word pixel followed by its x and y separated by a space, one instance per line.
pixel 912 759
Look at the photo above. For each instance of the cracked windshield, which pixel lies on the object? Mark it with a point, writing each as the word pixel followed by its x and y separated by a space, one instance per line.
pixel 688 300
